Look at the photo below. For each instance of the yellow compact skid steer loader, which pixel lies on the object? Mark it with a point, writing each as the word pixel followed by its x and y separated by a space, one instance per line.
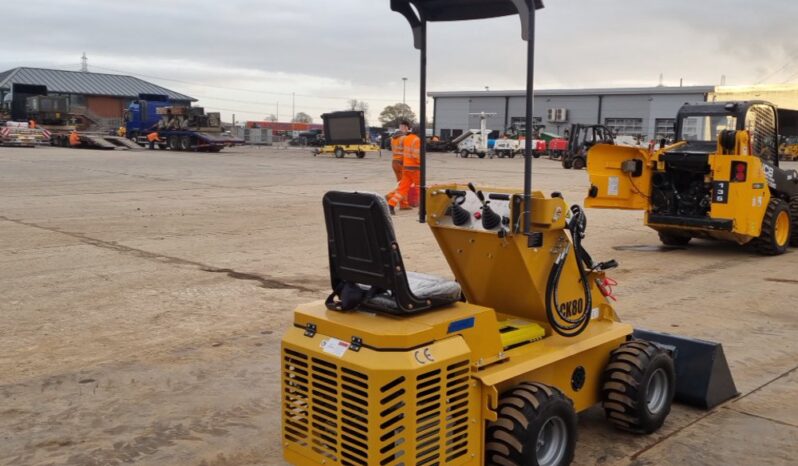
pixel 402 368
pixel 720 180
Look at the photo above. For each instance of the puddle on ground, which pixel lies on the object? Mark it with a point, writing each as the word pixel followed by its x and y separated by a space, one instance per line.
pixel 648 248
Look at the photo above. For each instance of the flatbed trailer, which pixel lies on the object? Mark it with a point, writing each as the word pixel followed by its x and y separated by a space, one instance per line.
pixel 188 140
pixel 340 150
pixel 20 137
pixel 92 140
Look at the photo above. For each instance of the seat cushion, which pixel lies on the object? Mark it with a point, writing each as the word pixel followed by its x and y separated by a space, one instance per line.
pixel 423 286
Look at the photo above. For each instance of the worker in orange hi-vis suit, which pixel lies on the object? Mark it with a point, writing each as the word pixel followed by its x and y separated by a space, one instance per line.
pixel 411 172
pixel 153 138
pixel 74 139
pixel 396 149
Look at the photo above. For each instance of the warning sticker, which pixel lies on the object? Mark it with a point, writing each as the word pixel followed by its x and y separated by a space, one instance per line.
pixel 335 347
pixel 612 186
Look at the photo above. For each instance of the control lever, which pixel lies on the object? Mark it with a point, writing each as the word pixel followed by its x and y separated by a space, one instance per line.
pixel 490 219
pixel 459 215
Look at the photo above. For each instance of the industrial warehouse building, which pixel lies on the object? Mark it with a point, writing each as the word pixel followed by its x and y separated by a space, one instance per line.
pixel 99 96
pixel 641 112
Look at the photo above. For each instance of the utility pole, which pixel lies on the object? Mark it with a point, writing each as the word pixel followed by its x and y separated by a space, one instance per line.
pixel 293 106
pixel 84 63
pixel 277 115
pixel 404 91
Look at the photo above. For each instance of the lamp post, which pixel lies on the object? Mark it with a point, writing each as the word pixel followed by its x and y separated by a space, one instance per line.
pixel 404 90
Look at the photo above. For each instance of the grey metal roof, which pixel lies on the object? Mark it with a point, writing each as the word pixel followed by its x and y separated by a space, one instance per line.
pixel 582 92
pixel 76 82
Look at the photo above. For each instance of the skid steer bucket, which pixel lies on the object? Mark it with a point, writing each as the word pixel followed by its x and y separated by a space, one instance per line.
pixel 703 378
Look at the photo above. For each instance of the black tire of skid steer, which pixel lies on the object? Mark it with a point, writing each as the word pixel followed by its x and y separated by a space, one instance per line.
pixel 523 412
pixel 674 239
pixel 766 243
pixel 625 384
pixel 794 218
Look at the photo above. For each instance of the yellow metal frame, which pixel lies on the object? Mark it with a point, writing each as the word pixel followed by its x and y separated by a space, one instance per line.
pixel 348 148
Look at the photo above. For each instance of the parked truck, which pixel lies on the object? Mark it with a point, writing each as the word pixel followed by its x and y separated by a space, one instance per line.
pixel 179 127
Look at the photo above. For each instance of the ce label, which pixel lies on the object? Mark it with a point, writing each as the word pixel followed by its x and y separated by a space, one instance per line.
pixel 423 356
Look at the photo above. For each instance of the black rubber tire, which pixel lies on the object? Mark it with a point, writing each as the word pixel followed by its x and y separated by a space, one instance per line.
pixel 360 154
pixel 339 152
pixel 481 155
pixel 512 154
pixel 523 411
pixel 567 163
pixel 674 239
pixel 464 154
pixel 173 142
pixel 536 155
pixel 794 218
pixel 766 243
pixel 632 366
pixel 185 143
pixel 579 163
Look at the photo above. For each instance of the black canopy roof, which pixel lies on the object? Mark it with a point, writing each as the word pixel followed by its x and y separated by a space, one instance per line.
pixel 457 10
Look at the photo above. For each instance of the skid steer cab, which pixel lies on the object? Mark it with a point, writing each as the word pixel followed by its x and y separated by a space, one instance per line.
pixel 398 368
pixel 721 179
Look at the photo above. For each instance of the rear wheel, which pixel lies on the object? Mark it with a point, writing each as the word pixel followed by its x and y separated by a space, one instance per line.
pixel 567 163
pixel 481 155
pixel 360 154
pixel 777 228
pixel 185 142
pixel 339 152
pixel 674 239
pixel 579 163
pixel 174 142
pixel 794 216
pixel 638 387
pixel 536 427
pixel 464 154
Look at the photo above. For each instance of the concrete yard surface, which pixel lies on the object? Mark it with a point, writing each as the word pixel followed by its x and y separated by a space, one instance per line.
pixel 143 295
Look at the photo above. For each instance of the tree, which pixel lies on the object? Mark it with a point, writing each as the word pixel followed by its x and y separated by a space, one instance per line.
pixel 303 117
pixel 393 114
pixel 270 117
pixel 359 105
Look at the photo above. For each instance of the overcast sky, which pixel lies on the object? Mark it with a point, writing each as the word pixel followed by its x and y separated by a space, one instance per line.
pixel 247 56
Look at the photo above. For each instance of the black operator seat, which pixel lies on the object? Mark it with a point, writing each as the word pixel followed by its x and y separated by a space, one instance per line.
pixel 366 268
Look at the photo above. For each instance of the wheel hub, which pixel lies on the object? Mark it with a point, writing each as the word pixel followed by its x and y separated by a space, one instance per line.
pixel 552 442
pixel 657 392
pixel 782 230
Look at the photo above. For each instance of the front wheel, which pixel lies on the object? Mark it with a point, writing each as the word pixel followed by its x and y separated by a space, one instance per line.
pixel 579 163
pixel 638 387
pixel 567 164
pixel 339 152
pixel 794 216
pixel 536 427
pixel 776 232
pixel 464 154
pixel 673 239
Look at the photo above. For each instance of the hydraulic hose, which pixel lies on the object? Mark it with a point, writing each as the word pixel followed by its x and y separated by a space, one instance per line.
pixel 562 323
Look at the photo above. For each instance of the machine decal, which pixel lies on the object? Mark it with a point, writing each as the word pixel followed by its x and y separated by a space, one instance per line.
pixel 460 325
pixel 759 186
pixel 769 175
pixel 573 308
pixel 335 347
pixel 612 186
pixel 720 192
pixel 423 356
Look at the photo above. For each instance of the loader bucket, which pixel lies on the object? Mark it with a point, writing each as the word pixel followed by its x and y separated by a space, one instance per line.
pixel 703 378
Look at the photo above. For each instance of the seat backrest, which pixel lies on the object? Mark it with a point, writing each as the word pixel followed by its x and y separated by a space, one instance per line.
pixel 363 249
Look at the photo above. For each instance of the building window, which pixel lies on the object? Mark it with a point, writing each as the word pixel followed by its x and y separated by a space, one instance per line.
pixel 663 129
pixel 446 134
pixel 625 126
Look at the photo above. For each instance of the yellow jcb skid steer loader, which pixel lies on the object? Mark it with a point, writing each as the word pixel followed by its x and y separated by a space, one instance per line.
pixel 720 180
